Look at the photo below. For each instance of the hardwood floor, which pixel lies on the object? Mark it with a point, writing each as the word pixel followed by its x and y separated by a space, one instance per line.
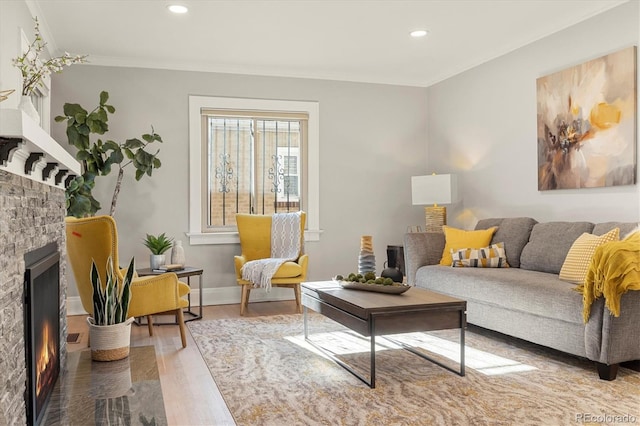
pixel 190 395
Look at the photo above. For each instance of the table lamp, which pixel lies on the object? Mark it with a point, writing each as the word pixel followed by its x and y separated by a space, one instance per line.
pixel 434 189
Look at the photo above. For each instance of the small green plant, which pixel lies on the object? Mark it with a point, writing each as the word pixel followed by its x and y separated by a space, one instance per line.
pixel 111 301
pixel 159 244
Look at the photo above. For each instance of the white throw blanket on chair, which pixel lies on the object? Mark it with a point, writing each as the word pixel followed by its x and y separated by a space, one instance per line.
pixel 285 246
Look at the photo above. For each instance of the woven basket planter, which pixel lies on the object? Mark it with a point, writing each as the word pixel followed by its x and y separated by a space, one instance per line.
pixel 109 342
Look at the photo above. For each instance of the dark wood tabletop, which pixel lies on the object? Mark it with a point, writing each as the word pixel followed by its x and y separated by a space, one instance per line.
pixel 363 303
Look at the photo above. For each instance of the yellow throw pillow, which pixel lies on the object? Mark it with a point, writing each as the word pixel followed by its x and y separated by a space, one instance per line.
pixel 575 266
pixel 456 239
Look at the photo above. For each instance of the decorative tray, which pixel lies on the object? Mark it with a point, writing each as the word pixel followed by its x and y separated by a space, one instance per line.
pixel 396 288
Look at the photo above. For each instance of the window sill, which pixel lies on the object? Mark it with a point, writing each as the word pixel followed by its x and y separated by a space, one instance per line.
pixel 199 238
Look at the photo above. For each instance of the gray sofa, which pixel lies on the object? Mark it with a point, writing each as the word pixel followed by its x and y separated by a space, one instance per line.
pixel 528 300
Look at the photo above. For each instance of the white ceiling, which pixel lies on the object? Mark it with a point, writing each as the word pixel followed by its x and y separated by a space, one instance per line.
pixel 353 40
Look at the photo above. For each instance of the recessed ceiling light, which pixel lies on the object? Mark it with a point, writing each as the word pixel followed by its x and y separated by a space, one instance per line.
pixel 418 33
pixel 178 8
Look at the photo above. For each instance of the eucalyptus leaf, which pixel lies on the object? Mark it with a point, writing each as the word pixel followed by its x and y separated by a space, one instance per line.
pixel 82 155
pixel 73 185
pixel 104 97
pixel 80 118
pixel 101 115
pixel 84 129
pixel 71 110
pixel 116 157
pixel 106 167
pixel 133 143
pixel 112 145
pixel 74 137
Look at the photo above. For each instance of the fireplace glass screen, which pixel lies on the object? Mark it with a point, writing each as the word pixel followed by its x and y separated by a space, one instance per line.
pixel 42 327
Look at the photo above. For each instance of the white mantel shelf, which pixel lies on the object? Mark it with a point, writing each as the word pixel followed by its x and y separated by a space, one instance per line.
pixel 16 128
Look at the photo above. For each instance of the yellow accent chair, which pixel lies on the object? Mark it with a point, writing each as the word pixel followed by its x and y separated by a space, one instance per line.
pixel 255 242
pixel 96 238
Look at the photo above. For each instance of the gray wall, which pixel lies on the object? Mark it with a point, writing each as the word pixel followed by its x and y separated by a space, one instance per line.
pixel 482 126
pixel 372 140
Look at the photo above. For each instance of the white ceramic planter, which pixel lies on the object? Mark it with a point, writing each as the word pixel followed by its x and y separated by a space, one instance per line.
pixel 27 106
pixel 157 260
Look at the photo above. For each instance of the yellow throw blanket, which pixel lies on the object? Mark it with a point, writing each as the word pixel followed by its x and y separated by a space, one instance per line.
pixel 614 270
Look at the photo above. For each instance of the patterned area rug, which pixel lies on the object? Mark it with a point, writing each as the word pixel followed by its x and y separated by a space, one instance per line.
pixel 268 375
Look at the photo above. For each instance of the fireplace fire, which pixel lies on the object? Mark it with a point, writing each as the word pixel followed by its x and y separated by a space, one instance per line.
pixel 46 357
pixel 42 327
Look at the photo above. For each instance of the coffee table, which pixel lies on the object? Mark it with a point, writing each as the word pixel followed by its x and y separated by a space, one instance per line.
pixel 377 314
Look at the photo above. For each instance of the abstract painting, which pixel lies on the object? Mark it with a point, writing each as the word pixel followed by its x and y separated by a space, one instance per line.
pixel 587 124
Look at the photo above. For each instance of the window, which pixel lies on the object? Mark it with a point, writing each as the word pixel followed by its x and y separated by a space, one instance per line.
pixel 250 156
pixel 252 165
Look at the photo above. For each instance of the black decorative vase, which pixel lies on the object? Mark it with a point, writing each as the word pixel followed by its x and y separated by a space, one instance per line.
pixel 393 270
pixel 393 273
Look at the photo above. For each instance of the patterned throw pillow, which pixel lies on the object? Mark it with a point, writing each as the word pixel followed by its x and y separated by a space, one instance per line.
pixel 455 238
pixel 575 266
pixel 486 257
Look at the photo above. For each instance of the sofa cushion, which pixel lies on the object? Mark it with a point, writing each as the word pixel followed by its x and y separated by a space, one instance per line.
pixel 575 266
pixel 625 228
pixel 513 231
pixel 458 239
pixel 534 292
pixel 485 257
pixel 549 244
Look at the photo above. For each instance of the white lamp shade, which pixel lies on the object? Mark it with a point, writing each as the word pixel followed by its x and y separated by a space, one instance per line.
pixel 434 189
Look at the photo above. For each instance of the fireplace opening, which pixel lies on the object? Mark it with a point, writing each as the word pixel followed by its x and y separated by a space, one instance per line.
pixel 42 327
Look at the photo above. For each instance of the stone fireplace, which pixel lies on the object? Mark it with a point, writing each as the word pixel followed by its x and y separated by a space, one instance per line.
pixel 32 212
pixel 31 216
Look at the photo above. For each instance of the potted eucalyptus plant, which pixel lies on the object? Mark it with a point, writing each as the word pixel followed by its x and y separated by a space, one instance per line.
pixel 109 327
pixel 99 157
pixel 158 246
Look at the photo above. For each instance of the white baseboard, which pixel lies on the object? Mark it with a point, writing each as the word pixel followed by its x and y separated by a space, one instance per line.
pixel 210 296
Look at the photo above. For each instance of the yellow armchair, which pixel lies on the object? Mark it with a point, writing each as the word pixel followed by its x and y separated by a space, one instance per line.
pixel 255 242
pixel 96 238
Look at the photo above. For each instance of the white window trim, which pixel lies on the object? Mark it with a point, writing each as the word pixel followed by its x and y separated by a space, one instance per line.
pixel 196 104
